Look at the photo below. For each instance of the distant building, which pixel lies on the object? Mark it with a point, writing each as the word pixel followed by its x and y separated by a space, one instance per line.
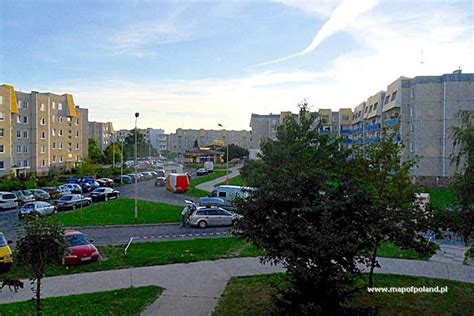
pixel 40 131
pixel 187 139
pixel 103 132
pixel 156 136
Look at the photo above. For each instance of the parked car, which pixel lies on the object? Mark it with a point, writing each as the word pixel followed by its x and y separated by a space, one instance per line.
pixel 123 179
pixel 160 173
pixel 40 194
pixel 154 174
pixel 6 258
pixel 64 190
pixel 72 201
pixel 54 193
pixel 79 248
pixel 85 187
pixel 106 182
pixel 203 217
pixel 228 193
pixel 160 182
pixel 133 176
pixel 73 187
pixel 201 172
pixel 104 194
pixel 210 201
pixel 8 200
pixel 36 209
pixel 24 196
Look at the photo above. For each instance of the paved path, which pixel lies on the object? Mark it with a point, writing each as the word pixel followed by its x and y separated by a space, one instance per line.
pixel 209 185
pixel 113 235
pixel 194 288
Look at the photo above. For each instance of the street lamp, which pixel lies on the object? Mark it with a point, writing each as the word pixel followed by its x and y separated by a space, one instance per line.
pixel 227 157
pixel 136 163
pixel 121 165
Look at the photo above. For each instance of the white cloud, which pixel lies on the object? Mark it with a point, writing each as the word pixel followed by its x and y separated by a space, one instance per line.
pixel 344 15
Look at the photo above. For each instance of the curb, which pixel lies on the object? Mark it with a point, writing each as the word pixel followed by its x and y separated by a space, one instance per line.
pixel 121 226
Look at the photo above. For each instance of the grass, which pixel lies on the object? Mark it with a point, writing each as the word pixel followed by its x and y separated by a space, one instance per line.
pixel 155 253
pixel 238 180
pixel 195 192
pixel 440 197
pixel 253 296
pixel 390 250
pixel 120 212
pixel 129 301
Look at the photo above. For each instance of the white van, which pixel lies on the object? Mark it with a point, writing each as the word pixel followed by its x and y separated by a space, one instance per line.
pixel 209 166
pixel 228 193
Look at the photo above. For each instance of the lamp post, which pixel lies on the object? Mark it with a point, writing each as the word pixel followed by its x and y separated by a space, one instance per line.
pixel 113 154
pixel 136 163
pixel 227 157
pixel 121 165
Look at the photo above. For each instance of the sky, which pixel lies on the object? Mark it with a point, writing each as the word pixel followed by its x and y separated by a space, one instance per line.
pixel 195 64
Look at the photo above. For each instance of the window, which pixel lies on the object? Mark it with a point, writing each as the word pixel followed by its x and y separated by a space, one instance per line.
pixel 54 145
pixel 43 121
pixel 412 93
pixel 375 105
pixel 60 145
pixel 77 121
pixel 60 132
pixel 2 149
pixel 2 164
pixel 53 105
pixel 370 110
pixel 1 99
pixel 25 104
pixel 54 158
pixel 60 119
pixel 25 149
pixel 412 128
pixel 53 132
pixel 18 134
pixel 387 99
pixel 25 119
pixel 25 163
pixel 69 119
pixel 2 116
pixel 60 106
pixel 77 134
pixel 18 163
pixel 412 147
pixel 53 118
pixel 2 132
pixel 18 149
pixel 42 107
pixel 412 111
pixel 61 159
pixel 43 135
pixel 222 194
pixel 18 119
pixel 345 117
pixel 43 149
pixel 365 109
pixel 25 134
pixel 19 103
pixel 394 95
pixel 77 146
pixel 43 163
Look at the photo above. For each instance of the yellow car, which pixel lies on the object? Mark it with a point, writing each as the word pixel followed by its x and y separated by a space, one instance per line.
pixel 6 259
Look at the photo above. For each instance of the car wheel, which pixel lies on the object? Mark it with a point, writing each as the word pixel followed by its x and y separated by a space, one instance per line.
pixel 202 224
pixel 74 206
pixel 106 198
pixel 118 195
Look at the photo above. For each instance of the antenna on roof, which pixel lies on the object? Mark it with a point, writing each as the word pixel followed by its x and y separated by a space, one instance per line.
pixel 421 57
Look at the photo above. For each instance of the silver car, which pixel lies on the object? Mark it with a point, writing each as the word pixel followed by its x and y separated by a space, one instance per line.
pixel 24 196
pixel 36 209
pixel 203 217
pixel 40 195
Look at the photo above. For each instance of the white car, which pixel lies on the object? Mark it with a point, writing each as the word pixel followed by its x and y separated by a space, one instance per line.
pixel 37 209
pixel 8 200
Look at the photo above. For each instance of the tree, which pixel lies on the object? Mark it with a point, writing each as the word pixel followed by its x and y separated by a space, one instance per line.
pixel 95 154
pixel 143 146
pixel 235 151
pixel 463 184
pixel 395 215
pixel 109 153
pixel 306 212
pixel 42 244
pixel 86 168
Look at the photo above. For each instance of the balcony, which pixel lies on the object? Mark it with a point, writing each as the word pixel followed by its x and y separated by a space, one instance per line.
pixel 357 141
pixel 357 131
pixel 391 122
pixel 372 127
pixel 324 131
pixel 346 131
pixel 372 140
pixel 347 141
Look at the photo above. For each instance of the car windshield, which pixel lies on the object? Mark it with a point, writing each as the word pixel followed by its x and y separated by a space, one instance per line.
pixel 3 242
pixel 9 196
pixel 66 198
pixel 77 240
pixel 29 205
pixel 99 190
pixel 26 192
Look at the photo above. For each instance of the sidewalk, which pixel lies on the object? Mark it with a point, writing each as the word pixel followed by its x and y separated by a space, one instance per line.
pixel 194 288
pixel 209 185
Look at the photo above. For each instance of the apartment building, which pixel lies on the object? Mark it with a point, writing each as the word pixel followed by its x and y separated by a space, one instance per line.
pixel 103 132
pixel 41 131
pixel 186 139
pixel 156 136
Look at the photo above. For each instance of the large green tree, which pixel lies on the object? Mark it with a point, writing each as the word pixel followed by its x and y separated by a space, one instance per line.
pixel 143 146
pixel 463 216
pixel 95 154
pixel 308 214
pixel 114 149
pixel 41 244
pixel 395 214
pixel 235 151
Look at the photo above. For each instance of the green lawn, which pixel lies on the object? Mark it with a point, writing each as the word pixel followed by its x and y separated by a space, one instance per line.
pixel 156 253
pixel 193 191
pixel 120 212
pixel 390 250
pixel 253 296
pixel 234 181
pixel 440 197
pixel 129 301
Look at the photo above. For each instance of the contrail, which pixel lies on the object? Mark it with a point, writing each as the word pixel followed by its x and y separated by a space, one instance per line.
pixel 345 13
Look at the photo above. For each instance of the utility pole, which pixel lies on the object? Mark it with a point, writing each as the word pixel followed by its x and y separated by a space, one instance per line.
pixel 136 163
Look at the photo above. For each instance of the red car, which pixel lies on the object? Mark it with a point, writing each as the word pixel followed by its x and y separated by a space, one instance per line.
pixel 80 249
